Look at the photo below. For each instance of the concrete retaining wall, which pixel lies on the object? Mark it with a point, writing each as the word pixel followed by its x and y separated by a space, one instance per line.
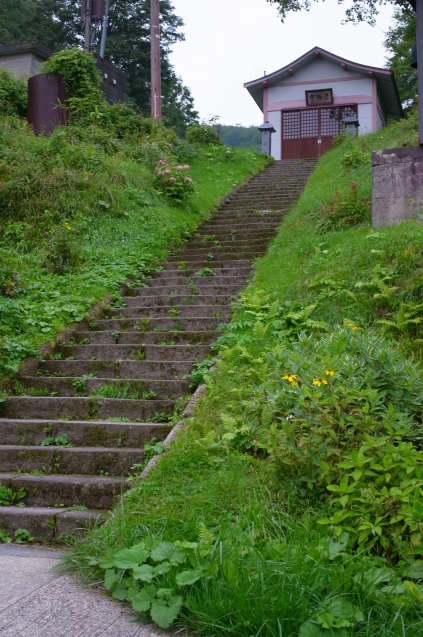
pixel 397 187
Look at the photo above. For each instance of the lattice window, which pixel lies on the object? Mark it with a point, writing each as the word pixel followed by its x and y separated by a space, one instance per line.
pixel 329 122
pixel 291 125
pixel 347 111
pixel 310 123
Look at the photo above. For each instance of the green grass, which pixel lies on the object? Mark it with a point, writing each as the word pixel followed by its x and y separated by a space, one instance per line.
pixel 247 480
pixel 81 211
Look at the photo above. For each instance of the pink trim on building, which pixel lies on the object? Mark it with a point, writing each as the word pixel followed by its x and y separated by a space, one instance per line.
pixel 374 104
pixel 327 81
pixel 338 101
pixel 265 103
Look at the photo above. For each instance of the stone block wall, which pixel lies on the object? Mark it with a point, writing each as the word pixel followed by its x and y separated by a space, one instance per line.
pixel 397 185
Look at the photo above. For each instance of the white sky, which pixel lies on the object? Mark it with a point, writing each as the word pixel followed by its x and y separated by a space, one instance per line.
pixel 229 42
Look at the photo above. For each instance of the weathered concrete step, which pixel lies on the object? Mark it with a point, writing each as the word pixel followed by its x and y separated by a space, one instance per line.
pixel 152 338
pixel 81 433
pixel 214 256
pixel 118 369
pixel 206 311
pixel 181 291
pixel 82 407
pixel 210 278
pixel 46 524
pixel 69 460
pixel 195 297
pixel 97 492
pixel 77 386
pixel 233 243
pixel 135 352
pixel 157 324
pixel 234 267
pixel 226 252
pixel 227 235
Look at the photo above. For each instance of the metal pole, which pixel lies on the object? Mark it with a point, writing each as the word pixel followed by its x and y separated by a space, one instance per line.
pixel 87 32
pixel 419 38
pixel 104 29
pixel 156 91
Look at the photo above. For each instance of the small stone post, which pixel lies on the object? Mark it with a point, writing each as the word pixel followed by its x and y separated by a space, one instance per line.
pixel 266 130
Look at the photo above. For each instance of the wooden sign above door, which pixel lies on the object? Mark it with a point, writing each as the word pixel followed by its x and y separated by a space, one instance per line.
pixel 321 97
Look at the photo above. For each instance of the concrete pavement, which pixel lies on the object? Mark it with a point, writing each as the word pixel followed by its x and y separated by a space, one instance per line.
pixel 36 601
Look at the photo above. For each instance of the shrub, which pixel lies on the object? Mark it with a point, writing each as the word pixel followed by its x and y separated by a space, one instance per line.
pixel 13 95
pixel 82 79
pixel 173 180
pixel 347 209
pixel 202 134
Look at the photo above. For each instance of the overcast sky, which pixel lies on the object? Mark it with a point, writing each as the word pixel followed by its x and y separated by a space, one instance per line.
pixel 230 42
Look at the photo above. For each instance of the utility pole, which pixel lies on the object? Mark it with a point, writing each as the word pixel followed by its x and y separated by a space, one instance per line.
pixel 156 90
pixel 104 30
pixel 87 30
pixel 419 20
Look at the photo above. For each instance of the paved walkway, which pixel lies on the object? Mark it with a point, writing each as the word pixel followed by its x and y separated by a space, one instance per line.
pixel 35 601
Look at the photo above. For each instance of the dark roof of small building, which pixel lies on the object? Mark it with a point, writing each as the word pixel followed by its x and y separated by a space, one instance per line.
pixel 386 85
pixel 26 47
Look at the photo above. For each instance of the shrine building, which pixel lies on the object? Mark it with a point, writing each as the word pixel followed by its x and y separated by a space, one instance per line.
pixel 311 100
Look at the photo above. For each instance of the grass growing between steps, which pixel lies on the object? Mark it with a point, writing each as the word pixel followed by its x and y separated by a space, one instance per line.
pixel 291 503
pixel 84 209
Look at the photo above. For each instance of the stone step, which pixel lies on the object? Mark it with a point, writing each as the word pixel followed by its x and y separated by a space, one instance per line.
pixel 182 267
pixel 83 408
pixel 226 252
pixel 159 292
pixel 47 524
pixel 81 433
pixel 135 352
pixel 157 324
pixel 210 278
pixel 152 338
pixel 192 298
pixel 233 242
pixel 65 491
pixel 159 370
pixel 206 311
pixel 74 386
pixel 227 235
pixel 214 256
pixel 69 460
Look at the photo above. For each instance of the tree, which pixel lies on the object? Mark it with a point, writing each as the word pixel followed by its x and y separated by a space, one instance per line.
pixel 360 11
pixel 57 25
pixel 399 41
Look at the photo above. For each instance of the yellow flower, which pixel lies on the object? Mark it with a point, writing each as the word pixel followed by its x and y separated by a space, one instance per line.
pixel 292 378
pixel 329 372
pixel 67 226
pixel 320 381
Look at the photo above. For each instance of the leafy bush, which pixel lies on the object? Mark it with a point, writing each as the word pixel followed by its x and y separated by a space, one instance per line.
pixel 202 134
pixel 82 79
pixel 347 209
pixel 173 180
pixel 13 95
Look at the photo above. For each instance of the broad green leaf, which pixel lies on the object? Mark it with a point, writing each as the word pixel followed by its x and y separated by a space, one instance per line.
pixel 164 613
pixel 414 571
pixel 161 569
pixel 336 548
pixel 167 551
pixel 120 591
pixel 142 601
pixel 130 558
pixel 186 578
pixel 311 629
pixel 144 573
pixel 111 578
pixel 106 562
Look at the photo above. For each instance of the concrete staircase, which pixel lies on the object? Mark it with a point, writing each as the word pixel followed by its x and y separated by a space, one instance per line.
pixel 82 417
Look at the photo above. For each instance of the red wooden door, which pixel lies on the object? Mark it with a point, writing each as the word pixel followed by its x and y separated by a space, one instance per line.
pixel 308 133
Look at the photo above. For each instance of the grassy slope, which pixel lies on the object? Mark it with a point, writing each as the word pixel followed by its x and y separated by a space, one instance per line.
pixel 100 182
pixel 268 568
